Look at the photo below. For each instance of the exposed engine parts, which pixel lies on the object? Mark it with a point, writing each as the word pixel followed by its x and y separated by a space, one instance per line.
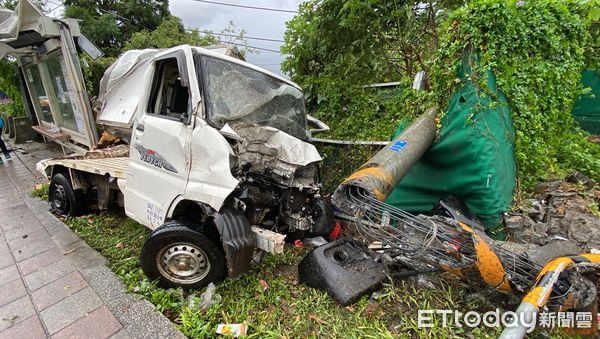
pixel 278 177
pixel 283 209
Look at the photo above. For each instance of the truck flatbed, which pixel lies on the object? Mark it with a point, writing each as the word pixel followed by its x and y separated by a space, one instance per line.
pixel 115 167
pixel 112 161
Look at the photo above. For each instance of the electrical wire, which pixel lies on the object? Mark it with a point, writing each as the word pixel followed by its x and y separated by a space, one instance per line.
pixel 237 36
pixel 247 7
pixel 250 46
pixel 53 9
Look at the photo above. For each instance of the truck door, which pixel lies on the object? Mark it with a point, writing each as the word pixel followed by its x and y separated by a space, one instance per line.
pixel 159 155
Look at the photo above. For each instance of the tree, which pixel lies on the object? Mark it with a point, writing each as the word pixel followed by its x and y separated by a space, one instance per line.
pixel 9 84
pixel 360 42
pixel 169 33
pixel 110 24
pixel 12 4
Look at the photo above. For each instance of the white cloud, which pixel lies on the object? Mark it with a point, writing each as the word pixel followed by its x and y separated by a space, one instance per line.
pixel 197 14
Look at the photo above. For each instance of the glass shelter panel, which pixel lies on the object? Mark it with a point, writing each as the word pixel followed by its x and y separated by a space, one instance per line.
pixel 38 93
pixel 68 109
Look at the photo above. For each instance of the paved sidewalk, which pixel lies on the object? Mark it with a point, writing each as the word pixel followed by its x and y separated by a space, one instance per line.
pixel 52 284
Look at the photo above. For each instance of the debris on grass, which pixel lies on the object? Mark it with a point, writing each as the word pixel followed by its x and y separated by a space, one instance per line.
pixel 234 330
pixel 317 319
pixel 206 300
pixel 337 231
pixel 560 213
pixel 286 308
pixel 263 285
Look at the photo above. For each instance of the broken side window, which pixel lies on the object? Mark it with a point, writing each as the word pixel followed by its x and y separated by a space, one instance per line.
pixel 168 98
pixel 234 92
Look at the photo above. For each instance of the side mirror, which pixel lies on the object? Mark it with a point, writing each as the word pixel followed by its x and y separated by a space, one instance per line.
pixel 316 125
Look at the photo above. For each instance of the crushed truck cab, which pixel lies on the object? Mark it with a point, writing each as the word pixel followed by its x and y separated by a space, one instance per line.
pixel 215 154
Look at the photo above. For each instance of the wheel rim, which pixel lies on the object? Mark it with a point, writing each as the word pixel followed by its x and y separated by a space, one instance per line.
pixel 59 199
pixel 183 263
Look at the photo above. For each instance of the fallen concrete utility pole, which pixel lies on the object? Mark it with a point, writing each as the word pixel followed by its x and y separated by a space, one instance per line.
pixel 380 174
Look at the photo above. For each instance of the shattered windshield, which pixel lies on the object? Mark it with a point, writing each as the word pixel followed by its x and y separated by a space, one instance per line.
pixel 236 93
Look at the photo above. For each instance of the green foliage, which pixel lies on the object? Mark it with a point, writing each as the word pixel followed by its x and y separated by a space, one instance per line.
pixel 102 29
pixel 592 7
pixel 109 24
pixel 93 71
pixel 369 113
pixel 359 42
pixel 116 237
pixel 9 84
pixel 335 48
pixel 536 49
pixel 168 34
pixel 12 4
pixel 41 191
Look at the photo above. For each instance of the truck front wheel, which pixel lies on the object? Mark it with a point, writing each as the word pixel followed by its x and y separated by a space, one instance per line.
pixel 179 256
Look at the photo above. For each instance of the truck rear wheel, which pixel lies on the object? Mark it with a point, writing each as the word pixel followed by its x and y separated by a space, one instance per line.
pixel 63 199
pixel 179 256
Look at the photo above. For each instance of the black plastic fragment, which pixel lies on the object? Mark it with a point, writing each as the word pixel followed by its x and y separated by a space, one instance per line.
pixel 345 269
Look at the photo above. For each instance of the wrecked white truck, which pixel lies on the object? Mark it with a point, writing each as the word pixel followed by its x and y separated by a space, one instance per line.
pixel 215 162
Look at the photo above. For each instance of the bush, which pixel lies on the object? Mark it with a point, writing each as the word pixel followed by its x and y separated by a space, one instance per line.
pixel 9 84
pixel 537 50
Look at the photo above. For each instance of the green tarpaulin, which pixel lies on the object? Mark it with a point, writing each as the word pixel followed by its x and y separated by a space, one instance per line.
pixel 473 157
pixel 586 110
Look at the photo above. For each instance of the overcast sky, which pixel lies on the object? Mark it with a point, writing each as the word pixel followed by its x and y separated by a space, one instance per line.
pixel 257 23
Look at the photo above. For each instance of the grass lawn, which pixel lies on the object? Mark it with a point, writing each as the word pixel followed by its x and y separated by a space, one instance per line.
pixel 285 309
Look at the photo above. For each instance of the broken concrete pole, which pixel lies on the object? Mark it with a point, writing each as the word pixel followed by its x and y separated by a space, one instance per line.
pixel 379 175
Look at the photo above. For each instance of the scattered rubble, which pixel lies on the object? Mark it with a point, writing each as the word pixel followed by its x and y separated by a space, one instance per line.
pixel 594 138
pixel 562 216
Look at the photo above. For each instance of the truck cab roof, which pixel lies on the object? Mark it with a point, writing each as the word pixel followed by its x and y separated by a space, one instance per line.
pixel 120 89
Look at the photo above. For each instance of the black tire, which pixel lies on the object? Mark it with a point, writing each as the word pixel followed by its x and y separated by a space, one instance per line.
pixel 179 256
pixel 63 199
